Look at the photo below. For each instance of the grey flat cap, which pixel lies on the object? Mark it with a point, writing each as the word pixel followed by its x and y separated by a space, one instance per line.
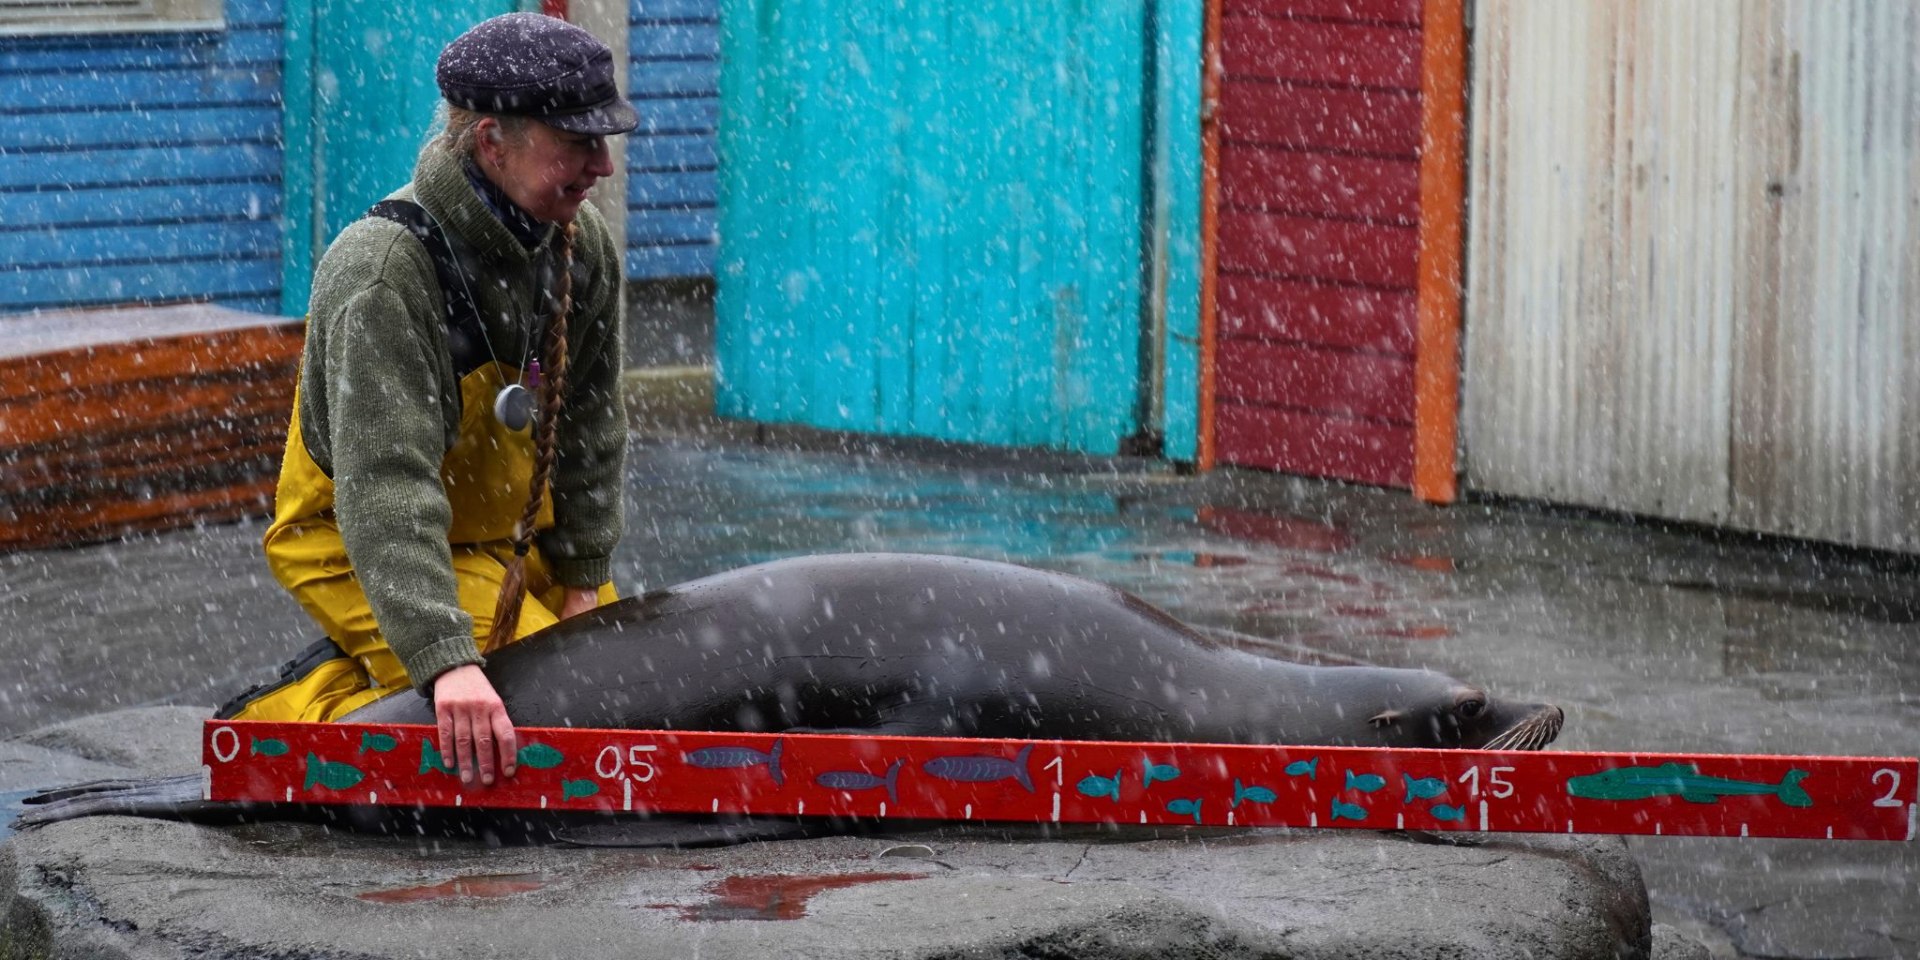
pixel 533 65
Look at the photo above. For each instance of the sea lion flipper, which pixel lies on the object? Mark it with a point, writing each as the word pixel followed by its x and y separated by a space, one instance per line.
pixel 890 728
pixel 178 798
pixel 90 788
pixel 683 833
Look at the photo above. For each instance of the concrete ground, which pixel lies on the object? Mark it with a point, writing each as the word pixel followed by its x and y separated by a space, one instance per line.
pixel 1651 638
pixel 119 888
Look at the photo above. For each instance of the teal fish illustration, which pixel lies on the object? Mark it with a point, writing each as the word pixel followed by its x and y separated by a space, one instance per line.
pixel 1443 812
pixel 430 758
pixel 376 742
pixel 1425 788
pixel 539 756
pixel 1098 786
pixel 1685 781
pixel 1364 782
pixel 333 776
pixel 1250 792
pixel 577 789
pixel 268 748
pixel 1347 811
pixel 1186 808
pixel 1156 772
pixel 1303 768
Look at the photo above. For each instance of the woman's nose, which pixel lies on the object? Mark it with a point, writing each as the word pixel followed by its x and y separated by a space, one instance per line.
pixel 601 164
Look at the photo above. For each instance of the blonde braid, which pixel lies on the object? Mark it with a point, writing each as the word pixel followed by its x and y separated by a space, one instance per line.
pixel 552 396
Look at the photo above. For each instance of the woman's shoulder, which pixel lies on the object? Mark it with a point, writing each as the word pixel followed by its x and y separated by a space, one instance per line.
pixel 373 252
pixel 373 248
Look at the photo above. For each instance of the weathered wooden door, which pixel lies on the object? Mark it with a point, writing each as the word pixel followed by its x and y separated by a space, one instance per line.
pixel 930 218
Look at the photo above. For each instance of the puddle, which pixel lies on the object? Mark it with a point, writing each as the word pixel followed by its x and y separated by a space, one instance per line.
pixel 1281 530
pixel 10 807
pixel 459 888
pixel 1426 563
pixel 1418 631
pixel 773 896
pixel 1893 608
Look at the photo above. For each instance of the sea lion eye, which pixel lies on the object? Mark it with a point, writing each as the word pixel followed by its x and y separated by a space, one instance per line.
pixel 1471 708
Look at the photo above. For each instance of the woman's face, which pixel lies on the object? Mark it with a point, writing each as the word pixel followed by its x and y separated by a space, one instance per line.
pixel 547 171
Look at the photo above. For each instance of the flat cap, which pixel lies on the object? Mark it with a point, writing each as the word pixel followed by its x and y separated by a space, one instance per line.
pixel 533 65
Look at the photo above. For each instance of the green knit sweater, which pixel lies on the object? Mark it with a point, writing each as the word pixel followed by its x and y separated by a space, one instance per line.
pixel 379 405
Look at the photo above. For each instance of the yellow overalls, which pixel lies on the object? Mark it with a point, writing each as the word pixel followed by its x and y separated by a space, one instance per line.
pixel 486 475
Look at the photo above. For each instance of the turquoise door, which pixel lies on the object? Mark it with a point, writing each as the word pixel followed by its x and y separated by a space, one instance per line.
pixel 930 218
pixel 360 100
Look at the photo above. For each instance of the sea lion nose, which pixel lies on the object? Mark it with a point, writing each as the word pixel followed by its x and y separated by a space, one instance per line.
pixel 1553 718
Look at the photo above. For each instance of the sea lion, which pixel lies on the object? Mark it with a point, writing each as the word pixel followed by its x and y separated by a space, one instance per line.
pixel 923 645
pixel 911 644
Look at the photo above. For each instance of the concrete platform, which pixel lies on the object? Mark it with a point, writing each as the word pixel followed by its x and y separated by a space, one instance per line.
pixel 1652 637
pixel 120 887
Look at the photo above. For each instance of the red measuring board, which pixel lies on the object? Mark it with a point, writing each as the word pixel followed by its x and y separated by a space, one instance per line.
pixel 1072 781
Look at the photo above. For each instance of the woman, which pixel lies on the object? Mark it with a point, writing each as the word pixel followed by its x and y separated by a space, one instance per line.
pixel 458 436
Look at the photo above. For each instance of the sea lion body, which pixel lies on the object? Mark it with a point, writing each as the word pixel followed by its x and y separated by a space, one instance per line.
pixel 908 644
pixel 943 646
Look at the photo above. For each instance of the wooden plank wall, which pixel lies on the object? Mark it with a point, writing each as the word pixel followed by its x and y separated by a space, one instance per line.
pixel 142 168
pixel 117 421
pixel 1320 121
pixel 674 80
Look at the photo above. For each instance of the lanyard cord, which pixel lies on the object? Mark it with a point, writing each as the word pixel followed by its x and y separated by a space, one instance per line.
pixel 460 270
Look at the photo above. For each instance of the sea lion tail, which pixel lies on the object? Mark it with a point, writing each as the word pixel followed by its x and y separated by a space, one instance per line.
pixel 169 798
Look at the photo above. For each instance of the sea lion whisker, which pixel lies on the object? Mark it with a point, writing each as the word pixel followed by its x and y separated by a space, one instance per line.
pixel 1532 732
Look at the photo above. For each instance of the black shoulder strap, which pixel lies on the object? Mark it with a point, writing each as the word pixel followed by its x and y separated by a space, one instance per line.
pixel 466 342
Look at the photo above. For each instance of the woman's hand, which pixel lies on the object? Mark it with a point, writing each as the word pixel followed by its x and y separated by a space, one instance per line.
pixel 579 600
pixel 473 722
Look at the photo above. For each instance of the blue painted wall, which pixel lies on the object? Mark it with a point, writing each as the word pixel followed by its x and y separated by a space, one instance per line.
pixel 674 80
pixel 142 168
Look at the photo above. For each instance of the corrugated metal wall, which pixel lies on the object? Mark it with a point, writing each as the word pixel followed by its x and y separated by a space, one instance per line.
pixel 1694 261
pixel 142 167
pixel 674 79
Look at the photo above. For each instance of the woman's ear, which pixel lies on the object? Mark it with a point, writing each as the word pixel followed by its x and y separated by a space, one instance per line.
pixel 488 144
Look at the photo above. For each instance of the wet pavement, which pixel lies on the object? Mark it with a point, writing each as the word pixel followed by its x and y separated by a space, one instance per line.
pixel 1651 638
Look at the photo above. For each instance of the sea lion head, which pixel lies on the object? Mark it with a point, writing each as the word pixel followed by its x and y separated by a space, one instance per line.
pixel 1436 711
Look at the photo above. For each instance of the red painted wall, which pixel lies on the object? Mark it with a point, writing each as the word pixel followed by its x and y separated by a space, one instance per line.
pixel 1320 126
